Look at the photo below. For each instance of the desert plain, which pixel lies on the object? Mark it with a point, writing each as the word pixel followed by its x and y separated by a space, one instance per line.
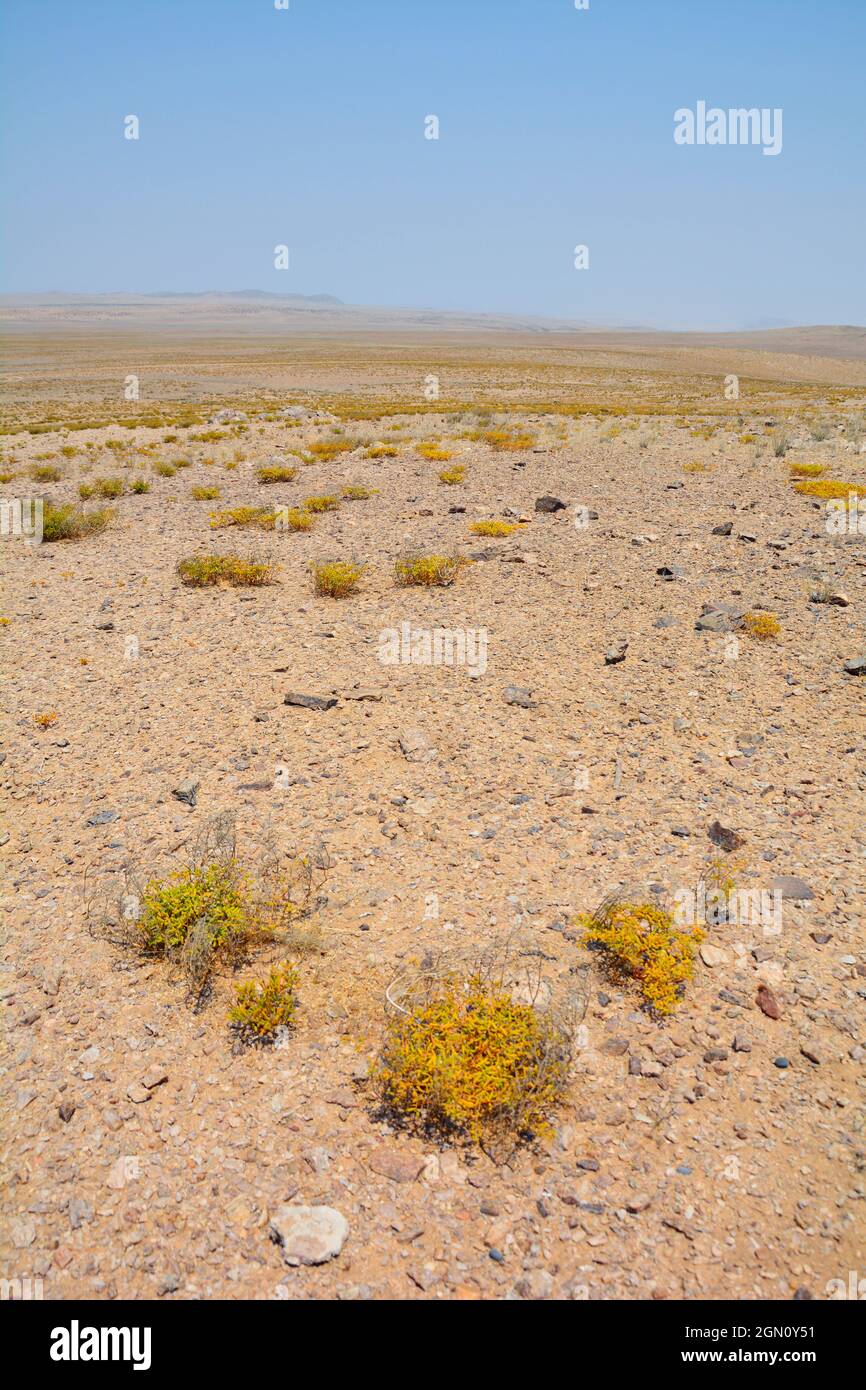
pixel 620 731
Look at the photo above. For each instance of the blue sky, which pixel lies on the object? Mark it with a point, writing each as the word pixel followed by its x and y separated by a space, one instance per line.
pixel 306 127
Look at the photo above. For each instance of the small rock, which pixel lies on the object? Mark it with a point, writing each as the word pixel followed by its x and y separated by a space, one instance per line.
pixel 713 955
pixel 319 702
pixel 768 1003
pixel 396 1165
pixel 516 695
pixel 187 792
pixel 309 1235
pixel 724 837
pixel 788 886
pixel 550 504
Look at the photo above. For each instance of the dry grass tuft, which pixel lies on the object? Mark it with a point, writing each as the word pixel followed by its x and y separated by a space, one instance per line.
pixel 425 571
pixel 70 523
pixel 233 571
pixel 336 578
pixel 492 528
pixel 277 474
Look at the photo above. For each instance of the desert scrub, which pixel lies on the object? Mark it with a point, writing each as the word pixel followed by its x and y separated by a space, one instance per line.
pixel 828 490
pixel 46 719
pixel 434 453
pixel 243 516
pixel 426 571
pixel 102 487
pixel 356 492
pixel 805 470
pixel 763 626
pixel 748 438
pixel 277 474
pixel 322 504
pixel 46 473
pixel 501 440
pixel 164 470
pixel 205 494
pixel 471 1062
pixel 696 467
pixel 454 475
pixel 381 451
pixel 139 486
pixel 337 578
pixel 293 519
pixel 641 941
pixel 210 571
pixel 492 528
pixel 263 1006
pixel 70 523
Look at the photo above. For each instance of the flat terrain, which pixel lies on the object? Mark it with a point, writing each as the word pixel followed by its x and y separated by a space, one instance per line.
pixel 719 1152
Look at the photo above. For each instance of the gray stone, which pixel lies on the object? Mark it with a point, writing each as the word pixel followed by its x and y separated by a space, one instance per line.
pixel 309 1235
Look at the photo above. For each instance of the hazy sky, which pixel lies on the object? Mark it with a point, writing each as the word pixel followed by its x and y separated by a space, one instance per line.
pixel 305 127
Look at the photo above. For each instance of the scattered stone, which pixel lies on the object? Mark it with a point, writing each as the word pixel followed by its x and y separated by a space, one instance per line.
pixel 102 817
pixel 713 955
pixel 812 1053
pixel 309 1235
pixel 415 746
pixel 66 1110
pixel 788 886
pixel 395 1164
pixel 614 655
pixel 517 695
pixel 725 838
pixel 855 667
pixel 550 504
pixel 319 702
pixel 187 792
pixel 724 529
pixel 767 1002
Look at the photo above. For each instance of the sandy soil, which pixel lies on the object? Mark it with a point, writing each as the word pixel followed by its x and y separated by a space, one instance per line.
pixel 147 1153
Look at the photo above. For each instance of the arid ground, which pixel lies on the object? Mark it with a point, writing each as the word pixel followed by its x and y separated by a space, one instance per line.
pixel 621 713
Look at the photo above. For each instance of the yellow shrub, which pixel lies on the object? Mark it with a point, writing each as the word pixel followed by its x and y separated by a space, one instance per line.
pixel 355 492
pixel 492 528
pixel 337 579
pixel 263 1006
pixel 503 440
pixel 45 721
pixel 243 516
pixel 381 451
pixel 763 626
pixel 433 453
pixel 293 519
pixel 641 940
pixel 471 1061
pixel 805 470
pixel 207 571
pixel 322 504
pixel 205 494
pixel 427 570
pixel 277 474
pixel 452 476
pixel 825 488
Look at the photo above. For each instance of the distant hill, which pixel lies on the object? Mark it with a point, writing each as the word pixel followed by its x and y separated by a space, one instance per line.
pixel 238 312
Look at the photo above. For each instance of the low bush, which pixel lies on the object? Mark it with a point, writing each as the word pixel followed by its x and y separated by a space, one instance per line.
pixel 641 941
pixel 209 571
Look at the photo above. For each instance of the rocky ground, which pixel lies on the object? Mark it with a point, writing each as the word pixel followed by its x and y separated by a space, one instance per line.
pixel 718 1153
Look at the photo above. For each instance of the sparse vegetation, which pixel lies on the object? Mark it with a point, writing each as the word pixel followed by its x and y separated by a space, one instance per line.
pixel 322 504
pixel 243 516
pixel 452 476
pixel 274 473
pixel 46 473
pixel 164 470
pixel 355 492
pixel 46 719
pixel 470 1062
pixel 337 578
pixel 492 528
pixel 140 486
pixel 70 523
pixel 293 519
pixel 427 570
pixel 641 940
pixel 263 1006
pixel 763 626
pixel 805 470
pixel 205 494
pixel 828 490
pixel 209 571
pixel 102 487
pixel 434 453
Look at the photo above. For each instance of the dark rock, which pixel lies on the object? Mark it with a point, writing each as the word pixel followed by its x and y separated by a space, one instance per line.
pixel 724 530
pixel 791 887
pixel 102 817
pixel 549 504
pixel 187 792
pixel 724 837
pixel 857 667
pixel 320 702
pixel 517 695
pixel 767 1002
